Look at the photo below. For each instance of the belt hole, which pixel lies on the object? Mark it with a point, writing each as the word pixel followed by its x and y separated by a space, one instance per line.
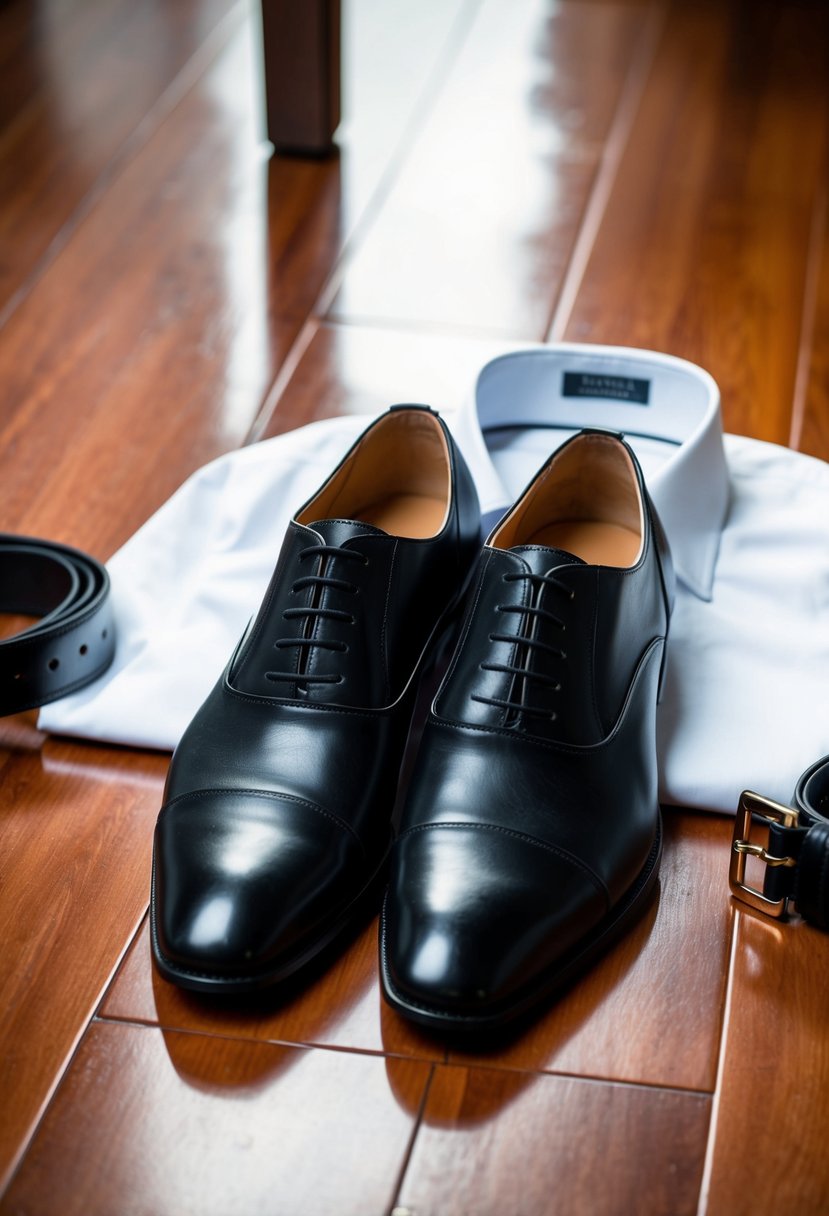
pixel 54 664
pixel 103 633
pixel 83 649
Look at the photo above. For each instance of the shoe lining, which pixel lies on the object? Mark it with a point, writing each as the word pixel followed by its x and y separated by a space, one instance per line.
pixel 406 514
pixel 597 544
pixel 586 502
pixel 397 478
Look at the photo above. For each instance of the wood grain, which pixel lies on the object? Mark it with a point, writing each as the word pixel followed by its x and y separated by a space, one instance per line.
pixel 494 1142
pixel 148 348
pixel 148 1124
pixel 482 144
pixel 811 430
pixel 477 230
pixel 702 249
pixel 77 832
pixel 336 1006
pixel 651 1010
pixel 144 351
pixel 57 139
pixel 771 1110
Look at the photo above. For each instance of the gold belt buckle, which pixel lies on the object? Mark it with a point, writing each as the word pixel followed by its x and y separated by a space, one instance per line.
pixel 742 847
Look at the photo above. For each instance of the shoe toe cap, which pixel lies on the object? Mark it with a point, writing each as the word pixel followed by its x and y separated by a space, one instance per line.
pixel 475 915
pixel 242 877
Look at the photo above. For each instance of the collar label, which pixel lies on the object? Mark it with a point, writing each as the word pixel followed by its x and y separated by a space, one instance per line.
pixel 618 388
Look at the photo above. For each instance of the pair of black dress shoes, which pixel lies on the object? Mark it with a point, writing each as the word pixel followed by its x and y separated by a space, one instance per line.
pixel 531 834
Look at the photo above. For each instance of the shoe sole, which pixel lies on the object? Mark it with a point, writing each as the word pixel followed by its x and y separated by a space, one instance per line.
pixel 589 948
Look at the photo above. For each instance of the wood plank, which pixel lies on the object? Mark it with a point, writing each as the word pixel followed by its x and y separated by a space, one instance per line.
pixel 771 1110
pixel 339 1006
pixel 354 369
pixel 149 346
pixel 703 246
pixel 157 1123
pixel 810 431
pixel 491 1141
pixel 77 834
pixel 58 136
pixel 477 230
pixel 651 1010
pixel 144 351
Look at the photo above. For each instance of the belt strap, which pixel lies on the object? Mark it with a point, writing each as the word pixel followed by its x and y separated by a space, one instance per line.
pixel 795 852
pixel 72 642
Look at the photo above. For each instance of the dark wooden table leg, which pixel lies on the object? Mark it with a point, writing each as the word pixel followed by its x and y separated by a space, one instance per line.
pixel 302 74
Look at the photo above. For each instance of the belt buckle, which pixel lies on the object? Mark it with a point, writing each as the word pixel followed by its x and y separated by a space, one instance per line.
pixel 755 806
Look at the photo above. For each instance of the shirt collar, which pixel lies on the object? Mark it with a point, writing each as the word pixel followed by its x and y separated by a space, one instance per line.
pixel 667 409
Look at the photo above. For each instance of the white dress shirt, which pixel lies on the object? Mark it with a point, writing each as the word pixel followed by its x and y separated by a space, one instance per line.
pixel 746 702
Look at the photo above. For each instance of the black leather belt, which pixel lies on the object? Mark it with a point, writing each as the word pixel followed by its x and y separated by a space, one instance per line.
pixel 73 642
pixel 794 849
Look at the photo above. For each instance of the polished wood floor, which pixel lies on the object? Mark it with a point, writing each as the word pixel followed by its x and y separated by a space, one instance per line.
pixel 649 173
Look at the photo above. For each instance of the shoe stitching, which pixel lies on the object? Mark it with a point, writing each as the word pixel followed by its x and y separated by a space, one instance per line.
pixel 450 1018
pixel 526 601
pixel 444 688
pixel 273 795
pixel 573 749
pixel 252 699
pixel 563 854
pixel 591 658
pixel 384 631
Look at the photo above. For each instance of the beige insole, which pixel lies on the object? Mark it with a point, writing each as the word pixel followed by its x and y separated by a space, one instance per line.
pixel 413 515
pixel 598 544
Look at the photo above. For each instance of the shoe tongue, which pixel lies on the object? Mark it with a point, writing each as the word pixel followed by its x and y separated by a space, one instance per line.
pixel 542 560
pixel 338 531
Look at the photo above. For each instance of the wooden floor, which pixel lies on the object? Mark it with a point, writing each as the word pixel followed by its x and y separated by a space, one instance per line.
pixel 623 171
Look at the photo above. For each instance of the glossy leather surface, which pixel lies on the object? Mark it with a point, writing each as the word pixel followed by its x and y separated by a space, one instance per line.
pixel 278 799
pixel 529 833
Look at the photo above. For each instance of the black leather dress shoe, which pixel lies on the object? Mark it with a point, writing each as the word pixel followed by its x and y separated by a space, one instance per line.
pixel 277 808
pixel 531 834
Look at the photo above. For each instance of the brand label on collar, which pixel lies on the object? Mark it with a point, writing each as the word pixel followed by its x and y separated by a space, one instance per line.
pixel 619 388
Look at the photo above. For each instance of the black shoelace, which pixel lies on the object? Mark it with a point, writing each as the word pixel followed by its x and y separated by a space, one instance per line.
pixel 531 644
pixel 313 612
